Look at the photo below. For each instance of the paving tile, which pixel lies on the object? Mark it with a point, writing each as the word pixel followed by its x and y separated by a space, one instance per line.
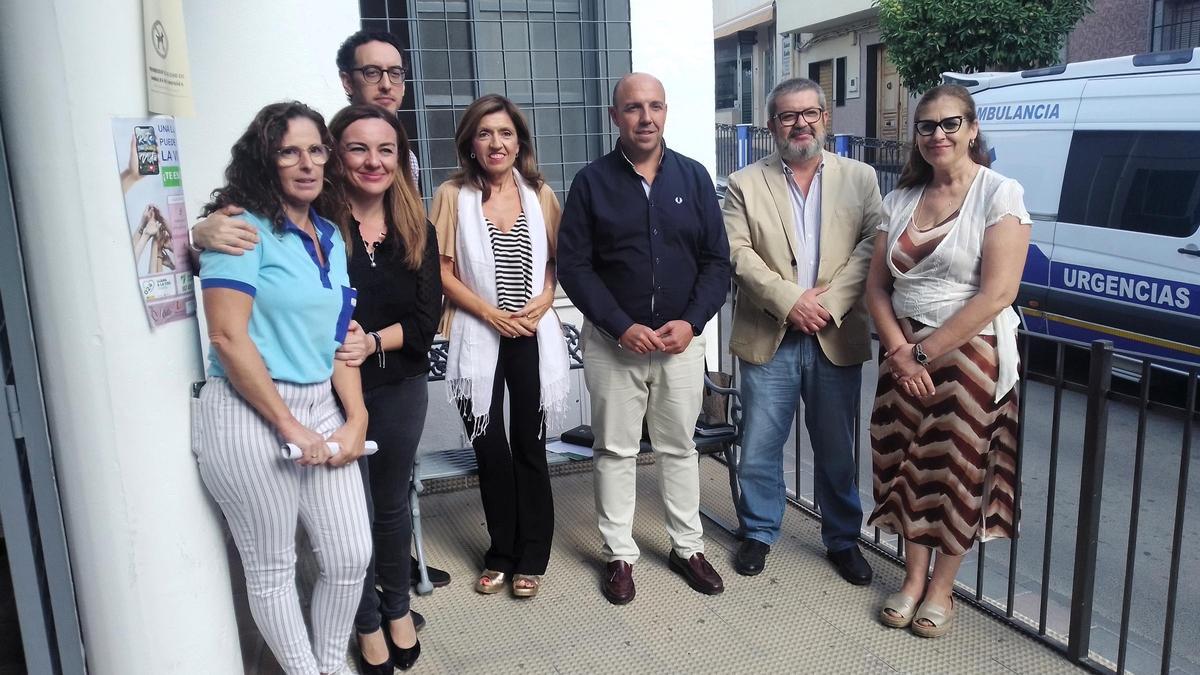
pixel 797 616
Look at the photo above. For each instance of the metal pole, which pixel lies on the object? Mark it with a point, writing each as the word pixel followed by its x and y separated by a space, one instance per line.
pixel 743 145
pixel 1091 484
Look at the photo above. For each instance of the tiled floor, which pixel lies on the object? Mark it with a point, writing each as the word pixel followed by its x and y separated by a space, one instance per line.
pixel 797 617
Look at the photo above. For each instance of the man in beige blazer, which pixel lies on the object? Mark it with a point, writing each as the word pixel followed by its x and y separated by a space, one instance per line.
pixel 801 224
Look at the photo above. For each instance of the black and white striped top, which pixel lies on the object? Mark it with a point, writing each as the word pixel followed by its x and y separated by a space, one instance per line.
pixel 513 251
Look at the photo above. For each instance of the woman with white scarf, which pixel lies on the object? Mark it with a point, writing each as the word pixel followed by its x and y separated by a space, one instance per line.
pixel 946 269
pixel 497 224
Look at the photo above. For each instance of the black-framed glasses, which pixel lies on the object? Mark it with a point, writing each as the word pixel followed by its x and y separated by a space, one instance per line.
pixel 290 155
pixel 947 124
pixel 789 117
pixel 373 74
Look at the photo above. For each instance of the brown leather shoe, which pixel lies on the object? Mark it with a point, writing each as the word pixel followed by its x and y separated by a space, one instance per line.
pixel 618 582
pixel 699 574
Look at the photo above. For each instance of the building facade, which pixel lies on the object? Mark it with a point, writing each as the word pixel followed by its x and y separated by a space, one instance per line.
pixel 838 46
pixel 746 49
pixel 1121 27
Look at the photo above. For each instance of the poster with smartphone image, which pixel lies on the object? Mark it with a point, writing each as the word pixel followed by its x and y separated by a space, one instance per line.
pixel 156 222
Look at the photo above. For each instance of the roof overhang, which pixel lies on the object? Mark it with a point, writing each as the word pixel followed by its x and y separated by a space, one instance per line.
pixel 745 21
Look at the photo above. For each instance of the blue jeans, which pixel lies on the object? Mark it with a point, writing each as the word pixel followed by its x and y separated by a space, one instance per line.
pixel 770 393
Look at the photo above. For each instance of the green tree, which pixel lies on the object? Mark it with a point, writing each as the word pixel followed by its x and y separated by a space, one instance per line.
pixel 925 38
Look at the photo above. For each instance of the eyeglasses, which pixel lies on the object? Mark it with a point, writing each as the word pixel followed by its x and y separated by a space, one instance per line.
pixel 290 156
pixel 947 124
pixel 373 74
pixel 790 117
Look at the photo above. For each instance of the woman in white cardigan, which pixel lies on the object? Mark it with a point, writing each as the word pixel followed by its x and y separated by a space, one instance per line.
pixel 946 269
pixel 497 224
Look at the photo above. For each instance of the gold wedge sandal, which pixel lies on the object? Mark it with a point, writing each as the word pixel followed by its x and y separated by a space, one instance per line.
pixel 897 610
pixel 534 582
pixel 495 582
pixel 939 620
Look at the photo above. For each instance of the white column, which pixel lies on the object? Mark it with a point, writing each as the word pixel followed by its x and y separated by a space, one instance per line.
pixel 147 553
pixel 672 40
pixel 682 57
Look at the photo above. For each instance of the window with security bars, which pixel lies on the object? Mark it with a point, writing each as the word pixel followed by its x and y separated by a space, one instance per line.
pixel 556 59
pixel 1176 24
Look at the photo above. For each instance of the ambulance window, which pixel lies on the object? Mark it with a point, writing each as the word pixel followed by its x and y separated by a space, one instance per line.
pixel 1141 181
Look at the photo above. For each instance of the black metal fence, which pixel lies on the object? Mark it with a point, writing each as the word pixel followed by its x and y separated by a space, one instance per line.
pixel 1101 504
pixel 887 157
pixel 727 149
pixel 740 145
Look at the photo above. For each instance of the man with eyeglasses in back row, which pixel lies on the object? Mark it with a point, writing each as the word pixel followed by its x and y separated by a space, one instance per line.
pixel 801 225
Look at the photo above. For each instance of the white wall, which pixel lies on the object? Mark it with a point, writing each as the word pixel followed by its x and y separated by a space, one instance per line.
pixel 245 55
pixel 147 553
pixel 682 57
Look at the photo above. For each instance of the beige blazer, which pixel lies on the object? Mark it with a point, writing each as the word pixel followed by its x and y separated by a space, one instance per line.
pixel 762 244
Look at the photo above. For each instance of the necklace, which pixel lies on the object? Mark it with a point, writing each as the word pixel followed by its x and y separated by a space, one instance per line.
pixel 370 246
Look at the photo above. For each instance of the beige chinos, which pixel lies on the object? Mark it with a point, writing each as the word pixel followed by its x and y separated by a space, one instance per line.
pixel 667 390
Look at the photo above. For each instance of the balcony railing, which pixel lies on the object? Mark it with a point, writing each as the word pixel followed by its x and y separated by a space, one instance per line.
pixel 1105 527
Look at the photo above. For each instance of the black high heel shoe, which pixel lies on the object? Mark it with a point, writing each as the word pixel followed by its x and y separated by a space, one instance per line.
pixel 385 668
pixel 402 658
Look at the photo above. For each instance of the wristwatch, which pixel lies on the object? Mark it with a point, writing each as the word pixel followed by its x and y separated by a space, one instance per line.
pixel 919 355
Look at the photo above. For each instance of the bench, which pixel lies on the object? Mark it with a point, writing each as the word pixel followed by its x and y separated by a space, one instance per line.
pixel 719 433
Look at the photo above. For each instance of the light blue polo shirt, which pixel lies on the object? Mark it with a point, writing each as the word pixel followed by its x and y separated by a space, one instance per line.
pixel 301 308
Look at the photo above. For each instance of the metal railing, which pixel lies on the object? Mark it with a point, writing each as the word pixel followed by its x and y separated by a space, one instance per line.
pixel 886 157
pixel 1077 609
pixel 740 145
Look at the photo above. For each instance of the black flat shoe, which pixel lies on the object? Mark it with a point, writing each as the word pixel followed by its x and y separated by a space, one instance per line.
pixel 751 557
pixel 418 620
pixel 438 578
pixel 385 668
pixel 851 564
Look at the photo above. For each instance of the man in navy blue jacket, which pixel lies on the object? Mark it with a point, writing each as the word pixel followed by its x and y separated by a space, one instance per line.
pixel 642 252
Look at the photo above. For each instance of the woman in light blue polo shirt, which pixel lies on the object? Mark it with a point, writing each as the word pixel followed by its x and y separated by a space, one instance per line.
pixel 275 317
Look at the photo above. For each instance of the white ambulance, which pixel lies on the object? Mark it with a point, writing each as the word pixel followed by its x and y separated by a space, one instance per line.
pixel 1109 155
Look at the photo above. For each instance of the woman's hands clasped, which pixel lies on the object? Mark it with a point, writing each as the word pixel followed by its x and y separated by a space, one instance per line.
pixel 911 377
pixel 523 322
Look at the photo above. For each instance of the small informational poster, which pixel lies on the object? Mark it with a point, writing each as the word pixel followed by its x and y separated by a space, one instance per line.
pixel 168 78
pixel 148 164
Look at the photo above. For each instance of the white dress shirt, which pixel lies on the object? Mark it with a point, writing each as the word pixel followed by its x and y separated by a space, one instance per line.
pixel 806 212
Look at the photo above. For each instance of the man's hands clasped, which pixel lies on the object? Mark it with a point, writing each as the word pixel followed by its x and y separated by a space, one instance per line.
pixel 672 338
pixel 808 314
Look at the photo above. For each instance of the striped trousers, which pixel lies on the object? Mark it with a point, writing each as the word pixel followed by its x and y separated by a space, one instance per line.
pixel 263 496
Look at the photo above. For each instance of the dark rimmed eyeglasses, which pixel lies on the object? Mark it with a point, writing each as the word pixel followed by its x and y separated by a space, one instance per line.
pixel 790 117
pixel 947 124
pixel 373 74
pixel 290 155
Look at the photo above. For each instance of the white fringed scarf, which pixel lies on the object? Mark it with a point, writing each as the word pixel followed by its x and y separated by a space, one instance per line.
pixel 475 345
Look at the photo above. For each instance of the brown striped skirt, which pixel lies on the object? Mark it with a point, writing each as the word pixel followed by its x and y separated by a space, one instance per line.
pixel 944 468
